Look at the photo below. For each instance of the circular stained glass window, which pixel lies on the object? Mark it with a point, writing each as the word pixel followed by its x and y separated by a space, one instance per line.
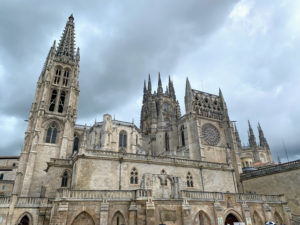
pixel 210 134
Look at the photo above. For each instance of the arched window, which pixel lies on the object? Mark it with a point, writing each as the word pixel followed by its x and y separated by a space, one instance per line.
pixel 164 180
pixel 64 179
pixel 189 180
pixel 1 176
pixel 76 143
pixel 66 78
pixel 123 139
pixel 51 133
pixel 61 102
pixel 57 76
pixel 182 135
pixel 166 106
pixel 134 176
pixel 53 100
pixel 167 142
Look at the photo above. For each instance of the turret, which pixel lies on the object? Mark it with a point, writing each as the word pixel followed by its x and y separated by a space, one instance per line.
pixel 262 140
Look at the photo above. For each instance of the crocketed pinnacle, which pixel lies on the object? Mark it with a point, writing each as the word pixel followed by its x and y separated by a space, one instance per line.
pixel 67 41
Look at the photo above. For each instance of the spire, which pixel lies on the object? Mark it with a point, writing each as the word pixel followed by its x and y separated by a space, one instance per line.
pixel 145 87
pixel 188 99
pixel 251 138
pixel 78 54
pixel 149 85
pixel 262 140
pixel 237 136
pixel 50 54
pixel 159 88
pixel 67 41
pixel 188 88
pixel 145 92
pixel 171 89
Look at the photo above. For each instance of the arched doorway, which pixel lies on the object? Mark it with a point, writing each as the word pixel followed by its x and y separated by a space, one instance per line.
pixel 230 219
pixel 83 219
pixel 201 219
pixel 118 219
pixel 24 221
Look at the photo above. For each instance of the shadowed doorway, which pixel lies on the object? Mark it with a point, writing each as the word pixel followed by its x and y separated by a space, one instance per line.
pixel 230 219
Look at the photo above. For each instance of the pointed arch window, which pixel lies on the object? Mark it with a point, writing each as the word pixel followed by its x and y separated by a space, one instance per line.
pixel 61 102
pixel 189 180
pixel 51 133
pixel 57 76
pixel 134 176
pixel 123 139
pixel 167 144
pixel 64 180
pixel 53 100
pixel 164 180
pixel 182 135
pixel 66 78
pixel 76 143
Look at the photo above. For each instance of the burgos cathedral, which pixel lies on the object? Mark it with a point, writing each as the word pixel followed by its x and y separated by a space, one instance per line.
pixel 173 169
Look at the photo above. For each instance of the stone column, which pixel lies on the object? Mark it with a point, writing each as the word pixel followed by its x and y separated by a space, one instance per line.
pixel 132 213
pixel 268 212
pixel 13 201
pixel 186 213
pixel 150 209
pixel 104 213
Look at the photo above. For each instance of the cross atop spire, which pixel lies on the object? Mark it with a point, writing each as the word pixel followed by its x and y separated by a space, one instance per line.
pixel 67 41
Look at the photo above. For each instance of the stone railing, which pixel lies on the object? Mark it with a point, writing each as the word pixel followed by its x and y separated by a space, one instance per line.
pixel 4 201
pixel 158 159
pixel 271 170
pixel 95 195
pixel 28 202
pixel 141 194
pixel 259 198
pixel 202 196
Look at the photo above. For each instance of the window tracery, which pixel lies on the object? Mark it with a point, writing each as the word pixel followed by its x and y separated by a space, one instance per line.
pixel 122 139
pixel 51 133
pixel 53 100
pixel 64 180
pixel 134 176
pixel 189 180
pixel 61 101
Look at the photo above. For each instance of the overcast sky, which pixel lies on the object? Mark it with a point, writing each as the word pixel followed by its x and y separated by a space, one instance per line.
pixel 248 48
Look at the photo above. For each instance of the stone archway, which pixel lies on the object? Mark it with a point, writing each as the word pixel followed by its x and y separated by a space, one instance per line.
pixel 83 219
pixel 231 219
pixel 278 219
pixel 201 219
pixel 25 219
pixel 118 219
pixel 257 219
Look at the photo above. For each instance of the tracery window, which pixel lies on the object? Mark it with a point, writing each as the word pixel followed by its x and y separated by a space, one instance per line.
pixel 57 76
pixel 182 135
pixel 123 139
pixel 76 143
pixel 134 176
pixel 66 78
pixel 53 100
pixel 64 180
pixel 61 102
pixel 167 144
pixel 189 180
pixel 51 133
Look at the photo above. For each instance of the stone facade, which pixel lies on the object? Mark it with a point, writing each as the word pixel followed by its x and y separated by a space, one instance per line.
pixel 174 169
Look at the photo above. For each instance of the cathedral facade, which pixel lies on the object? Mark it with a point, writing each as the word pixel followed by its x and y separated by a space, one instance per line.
pixel 174 169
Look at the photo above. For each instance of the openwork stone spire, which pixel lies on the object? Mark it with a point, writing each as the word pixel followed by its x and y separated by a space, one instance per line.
pixel 251 138
pixel 67 41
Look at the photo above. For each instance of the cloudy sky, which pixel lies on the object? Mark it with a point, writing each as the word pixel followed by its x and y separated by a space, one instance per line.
pixel 248 48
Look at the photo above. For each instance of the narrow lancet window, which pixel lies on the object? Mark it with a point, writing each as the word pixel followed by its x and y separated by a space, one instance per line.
pixel 57 76
pixel 134 176
pixel 66 78
pixel 182 135
pixel 61 102
pixel 64 180
pixel 167 144
pixel 189 180
pixel 51 134
pixel 53 100
pixel 76 143
pixel 123 139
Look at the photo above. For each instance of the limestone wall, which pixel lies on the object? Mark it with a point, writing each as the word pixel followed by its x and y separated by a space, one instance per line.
pixel 286 183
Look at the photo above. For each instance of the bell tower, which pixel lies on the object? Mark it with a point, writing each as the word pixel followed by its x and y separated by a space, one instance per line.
pixel 50 131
